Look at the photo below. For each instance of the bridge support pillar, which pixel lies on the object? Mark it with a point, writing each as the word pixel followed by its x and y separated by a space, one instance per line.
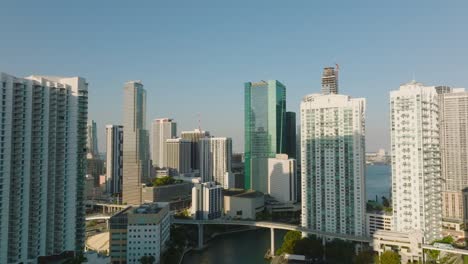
pixel 200 236
pixel 272 241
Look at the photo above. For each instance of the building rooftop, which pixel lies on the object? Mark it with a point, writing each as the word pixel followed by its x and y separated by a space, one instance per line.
pixel 149 208
pixel 241 193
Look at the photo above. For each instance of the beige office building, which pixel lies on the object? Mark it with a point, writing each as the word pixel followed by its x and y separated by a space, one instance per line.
pixel 162 130
pixel 136 164
pixel 453 107
pixel 178 156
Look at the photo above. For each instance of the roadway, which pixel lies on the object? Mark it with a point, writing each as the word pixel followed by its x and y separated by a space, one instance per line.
pixel 98 217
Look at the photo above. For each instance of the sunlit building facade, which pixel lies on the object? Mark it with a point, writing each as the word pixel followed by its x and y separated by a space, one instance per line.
pixel 136 163
pixel 415 148
pixel 333 163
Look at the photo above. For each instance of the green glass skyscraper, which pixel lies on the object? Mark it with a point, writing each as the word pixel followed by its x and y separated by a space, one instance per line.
pixel 290 135
pixel 265 112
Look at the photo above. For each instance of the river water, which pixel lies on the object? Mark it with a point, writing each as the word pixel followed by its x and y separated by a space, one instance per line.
pixel 249 247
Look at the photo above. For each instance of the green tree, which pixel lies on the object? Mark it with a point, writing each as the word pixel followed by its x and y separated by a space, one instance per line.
pixel 433 254
pixel 163 181
pixel 339 251
pixel 385 202
pixel 147 260
pixel 389 257
pixel 364 257
pixel 309 247
pixel 446 240
pixel 450 258
pixel 289 242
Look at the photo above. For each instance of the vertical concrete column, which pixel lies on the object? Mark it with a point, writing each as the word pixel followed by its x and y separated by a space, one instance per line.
pixel 200 235
pixel 324 244
pixel 272 240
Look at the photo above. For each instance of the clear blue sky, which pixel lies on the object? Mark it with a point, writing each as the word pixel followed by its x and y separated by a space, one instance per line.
pixel 194 56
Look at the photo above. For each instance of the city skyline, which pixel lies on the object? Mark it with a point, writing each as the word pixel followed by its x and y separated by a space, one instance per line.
pixel 318 132
pixel 375 47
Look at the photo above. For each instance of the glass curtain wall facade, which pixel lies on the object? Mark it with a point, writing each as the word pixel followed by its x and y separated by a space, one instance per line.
pixel 265 107
pixel 290 141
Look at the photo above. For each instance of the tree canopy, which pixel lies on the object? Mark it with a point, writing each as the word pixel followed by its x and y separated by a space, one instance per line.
pixel 289 242
pixel 364 257
pixel 338 250
pixel 309 247
pixel 388 257
pixel 163 181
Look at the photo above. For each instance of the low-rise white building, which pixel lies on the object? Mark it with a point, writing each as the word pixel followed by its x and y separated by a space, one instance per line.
pixel 408 244
pixel 241 204
pixel 139 231
pixel 282 178
pixel 207 201
pixel 378 221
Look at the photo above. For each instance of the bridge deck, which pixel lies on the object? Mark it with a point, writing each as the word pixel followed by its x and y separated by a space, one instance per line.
pixel 274 225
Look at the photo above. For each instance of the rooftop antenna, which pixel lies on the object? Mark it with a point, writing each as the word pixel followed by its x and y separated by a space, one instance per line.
pixel 199 121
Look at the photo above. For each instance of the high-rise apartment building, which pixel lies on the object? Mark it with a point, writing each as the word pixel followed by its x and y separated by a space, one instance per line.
pixel 42 166
pixel 453 118
pixel 333 163
pixel 330 80
pixel 163 129
pixel 136 164
pixel 282 178
pixel 194 136
pixel 416 177
pixel 91 144
pixel 265 108
pixel 215 159
pixel 114 159
pixel 178 156
pixel 207 201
